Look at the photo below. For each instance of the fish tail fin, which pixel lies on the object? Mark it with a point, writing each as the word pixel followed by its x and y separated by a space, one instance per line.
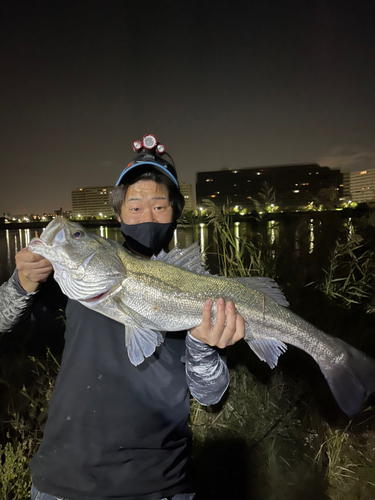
pixel 351 379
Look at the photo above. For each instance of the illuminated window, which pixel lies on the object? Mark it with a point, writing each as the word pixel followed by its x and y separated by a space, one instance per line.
pixel 363 172
pixel 296 191
pixel 209 180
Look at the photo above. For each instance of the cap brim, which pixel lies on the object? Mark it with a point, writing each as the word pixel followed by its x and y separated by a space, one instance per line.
pixel 157 166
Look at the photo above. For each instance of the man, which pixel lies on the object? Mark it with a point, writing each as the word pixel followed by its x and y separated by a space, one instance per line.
pixel 116 430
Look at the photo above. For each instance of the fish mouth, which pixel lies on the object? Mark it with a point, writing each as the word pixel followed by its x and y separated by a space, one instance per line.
pixel 35 242
pixel 99 297
pixel 94 299
pixel 49 237
pixel 109 290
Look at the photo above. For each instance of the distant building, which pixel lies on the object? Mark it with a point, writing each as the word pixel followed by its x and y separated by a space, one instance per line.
pixel 63 213
pixel 295 185
pixel 187 192
pixel 346 182
pixel 92 202
pixel 362 185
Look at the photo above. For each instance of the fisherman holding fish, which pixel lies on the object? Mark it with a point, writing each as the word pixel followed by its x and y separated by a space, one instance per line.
pixel 117 425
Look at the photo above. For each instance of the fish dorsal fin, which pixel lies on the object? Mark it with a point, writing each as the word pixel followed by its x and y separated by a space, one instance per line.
pixel 140 341
pixel 189 258
pixel 264 286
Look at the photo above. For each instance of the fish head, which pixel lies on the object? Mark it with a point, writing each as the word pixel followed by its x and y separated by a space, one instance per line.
pixel 86 266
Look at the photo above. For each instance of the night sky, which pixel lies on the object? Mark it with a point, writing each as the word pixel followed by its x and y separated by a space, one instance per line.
pixel 221 84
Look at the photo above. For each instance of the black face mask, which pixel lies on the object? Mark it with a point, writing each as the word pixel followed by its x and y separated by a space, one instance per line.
pixel 148 238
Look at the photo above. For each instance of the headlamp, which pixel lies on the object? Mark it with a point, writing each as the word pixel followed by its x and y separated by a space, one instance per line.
pixel 148 143
pixel 150 153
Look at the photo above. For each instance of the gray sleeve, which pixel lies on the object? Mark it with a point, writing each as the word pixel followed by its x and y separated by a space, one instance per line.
pixel 206 372
pixel 15 303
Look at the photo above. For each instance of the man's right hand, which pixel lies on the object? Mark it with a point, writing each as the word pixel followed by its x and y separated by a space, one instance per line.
pixel 32 269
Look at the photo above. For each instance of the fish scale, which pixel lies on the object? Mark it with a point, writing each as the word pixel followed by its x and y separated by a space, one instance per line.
pixel 168 293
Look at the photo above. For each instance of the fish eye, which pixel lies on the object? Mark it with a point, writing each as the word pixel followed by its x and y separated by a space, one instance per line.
pixel 78 234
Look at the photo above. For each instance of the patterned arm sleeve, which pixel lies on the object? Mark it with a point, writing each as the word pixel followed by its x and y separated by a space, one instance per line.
pixel 206 372
pixel 15 303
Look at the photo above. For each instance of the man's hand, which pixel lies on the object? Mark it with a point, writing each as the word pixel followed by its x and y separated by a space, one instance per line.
pixel 228 329
pixel 32 269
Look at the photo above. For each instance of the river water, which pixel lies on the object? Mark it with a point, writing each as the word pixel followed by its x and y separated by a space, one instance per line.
pixel 303 238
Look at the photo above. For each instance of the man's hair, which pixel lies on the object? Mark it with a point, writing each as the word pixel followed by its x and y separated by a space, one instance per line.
pixel 176 199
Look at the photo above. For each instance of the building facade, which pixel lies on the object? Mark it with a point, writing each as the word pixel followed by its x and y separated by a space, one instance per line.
pixel 294 185
pixel 187 192
pixel 362 186
pixel 92 202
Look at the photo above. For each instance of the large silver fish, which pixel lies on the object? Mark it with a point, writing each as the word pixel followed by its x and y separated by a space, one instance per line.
pixel 168 293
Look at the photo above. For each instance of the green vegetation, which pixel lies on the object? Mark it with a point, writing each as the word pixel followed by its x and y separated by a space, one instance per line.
pixel 24 430
pixel 350 275
pixel 239 255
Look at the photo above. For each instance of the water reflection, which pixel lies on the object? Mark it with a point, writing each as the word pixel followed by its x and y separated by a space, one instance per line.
pixel 11 242
pixel 237 236
pixel 103 231
pixel 203 237
pixel 350 227
pixel 311 236
pixel 9 259
pixel 301 235
pixel 272 228
pixel 111 233
pixel 16 247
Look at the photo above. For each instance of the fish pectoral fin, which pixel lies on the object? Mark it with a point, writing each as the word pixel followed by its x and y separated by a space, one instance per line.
pixel 141 342
pixel 267 350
